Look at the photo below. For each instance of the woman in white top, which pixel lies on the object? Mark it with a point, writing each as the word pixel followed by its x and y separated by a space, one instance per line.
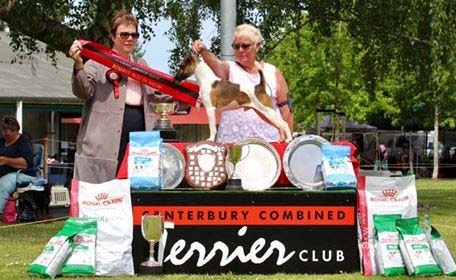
pixel 240 124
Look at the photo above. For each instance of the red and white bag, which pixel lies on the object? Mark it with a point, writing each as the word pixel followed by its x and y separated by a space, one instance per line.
pixel 381 195
pixel 110 204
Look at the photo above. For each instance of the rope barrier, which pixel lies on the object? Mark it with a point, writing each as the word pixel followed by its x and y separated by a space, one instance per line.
pixel 445 226
pixel 34 223
pixel 39 140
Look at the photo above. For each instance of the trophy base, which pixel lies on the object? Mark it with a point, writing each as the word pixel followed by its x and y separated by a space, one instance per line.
pixel 233 184
pixel 150 269
pixel 168 134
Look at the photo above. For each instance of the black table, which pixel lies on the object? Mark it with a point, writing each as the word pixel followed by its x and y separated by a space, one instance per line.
pixel 290 231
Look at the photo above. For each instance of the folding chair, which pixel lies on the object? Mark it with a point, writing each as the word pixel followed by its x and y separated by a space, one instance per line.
pixel 33 201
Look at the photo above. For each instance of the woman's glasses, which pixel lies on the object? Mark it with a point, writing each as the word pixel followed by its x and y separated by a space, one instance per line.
pixel 125 35
pixel 243 46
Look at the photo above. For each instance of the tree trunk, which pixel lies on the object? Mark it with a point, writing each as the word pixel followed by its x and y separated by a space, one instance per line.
pixel 435 172
pixel 410 153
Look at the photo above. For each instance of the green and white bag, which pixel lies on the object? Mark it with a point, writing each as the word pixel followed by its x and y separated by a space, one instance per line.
pixel 56 251
pixel 82 259
pixel 439 249
pixel 387 252
pixel 415 249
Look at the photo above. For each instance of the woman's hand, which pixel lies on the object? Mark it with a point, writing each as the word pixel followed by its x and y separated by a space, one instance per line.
pixel 198 46
pixel 75 54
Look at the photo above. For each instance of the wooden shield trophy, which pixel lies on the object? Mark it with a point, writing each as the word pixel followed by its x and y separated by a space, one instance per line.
pixel 206 167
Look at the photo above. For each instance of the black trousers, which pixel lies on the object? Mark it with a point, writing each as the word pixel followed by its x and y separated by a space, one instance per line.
pixel 133 120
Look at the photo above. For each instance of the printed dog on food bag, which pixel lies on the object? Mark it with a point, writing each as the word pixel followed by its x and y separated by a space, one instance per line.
pixel 222 95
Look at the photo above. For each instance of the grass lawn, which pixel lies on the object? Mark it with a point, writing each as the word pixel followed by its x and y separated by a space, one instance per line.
pixel 21 244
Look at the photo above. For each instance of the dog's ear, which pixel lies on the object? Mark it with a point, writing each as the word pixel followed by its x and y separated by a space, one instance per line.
pixel 189 59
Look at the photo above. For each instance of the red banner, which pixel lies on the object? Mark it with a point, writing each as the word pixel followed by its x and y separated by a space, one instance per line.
pixel 186 91
pixel 250 215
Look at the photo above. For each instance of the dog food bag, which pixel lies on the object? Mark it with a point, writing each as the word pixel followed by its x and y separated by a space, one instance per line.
pixel 82 259
pixel 439 249
pixel 144 160
pixel 387 253
pixel 415 248
pixel 337 168
pixel 56 251
pixel 110 204
pixel 381 195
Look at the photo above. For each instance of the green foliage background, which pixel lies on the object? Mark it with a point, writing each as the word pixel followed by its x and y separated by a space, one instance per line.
pixel 390 63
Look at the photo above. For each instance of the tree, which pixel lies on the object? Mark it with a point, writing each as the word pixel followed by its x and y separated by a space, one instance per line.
pixel 414 40
pixel 322 73
pixel 402 51
pixel 58 22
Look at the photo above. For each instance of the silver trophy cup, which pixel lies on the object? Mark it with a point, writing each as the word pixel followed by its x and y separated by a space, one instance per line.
pixel 235 156
pixel 152 230
pixel 163 110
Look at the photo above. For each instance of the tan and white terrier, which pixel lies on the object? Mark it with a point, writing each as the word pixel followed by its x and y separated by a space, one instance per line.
pixel 222 95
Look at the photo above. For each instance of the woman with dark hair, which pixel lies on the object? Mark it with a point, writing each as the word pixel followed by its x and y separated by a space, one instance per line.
pixel 107 119
pixel 16 152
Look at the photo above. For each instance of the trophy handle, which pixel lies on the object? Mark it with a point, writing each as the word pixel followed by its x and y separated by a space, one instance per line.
pixel 248 152
pixel 175 107
pixel 142 221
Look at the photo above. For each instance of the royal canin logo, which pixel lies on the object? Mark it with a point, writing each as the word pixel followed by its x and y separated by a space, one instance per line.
pixel 102 199
pixel 389 195
pixel 101 196
pixel 389 192
pixel 80 239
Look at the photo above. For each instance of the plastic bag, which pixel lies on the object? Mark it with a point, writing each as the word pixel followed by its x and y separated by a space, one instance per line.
pixel 110 204
pixel 439 249
pixel 82 259
pixel 415 248
pixel 381 195
pixel 144 160
pixel 337 168
pixel 56 251
pixel 387 252
pixel 9 212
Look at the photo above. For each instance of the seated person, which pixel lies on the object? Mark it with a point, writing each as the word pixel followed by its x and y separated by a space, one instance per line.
pixel 16 153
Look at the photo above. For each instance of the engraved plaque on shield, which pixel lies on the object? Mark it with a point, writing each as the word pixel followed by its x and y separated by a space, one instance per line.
pixel 206 165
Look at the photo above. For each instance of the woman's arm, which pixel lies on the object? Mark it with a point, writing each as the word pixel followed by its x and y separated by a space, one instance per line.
pixel 283 100
pixel 220 68
pixel 19 163
pixel 83 81
pixel 83 75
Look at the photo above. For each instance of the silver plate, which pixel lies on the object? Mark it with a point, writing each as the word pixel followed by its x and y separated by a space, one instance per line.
pixel 260 169
pixel 302 162
pixel 173 166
